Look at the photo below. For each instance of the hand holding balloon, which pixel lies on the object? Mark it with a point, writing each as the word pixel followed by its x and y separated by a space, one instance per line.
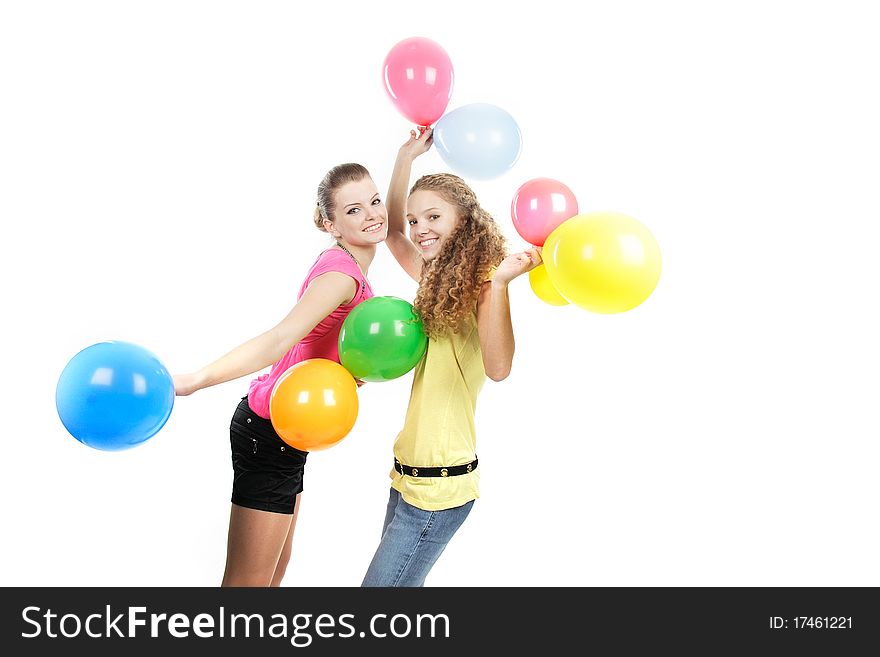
pixel 517 264
pixel 186 384
pixel 417 144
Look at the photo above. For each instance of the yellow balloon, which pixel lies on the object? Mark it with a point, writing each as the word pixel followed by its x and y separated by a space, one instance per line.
pixel 543 288
pixel 604 262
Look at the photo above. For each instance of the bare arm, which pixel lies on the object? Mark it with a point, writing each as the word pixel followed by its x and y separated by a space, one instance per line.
pixel 493 314
pixel 323 295
pixel 403 250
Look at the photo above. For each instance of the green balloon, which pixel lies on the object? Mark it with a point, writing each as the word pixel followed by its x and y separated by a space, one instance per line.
pixel 381 339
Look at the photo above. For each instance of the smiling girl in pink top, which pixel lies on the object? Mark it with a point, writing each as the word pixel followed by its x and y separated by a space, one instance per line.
pixel 268 473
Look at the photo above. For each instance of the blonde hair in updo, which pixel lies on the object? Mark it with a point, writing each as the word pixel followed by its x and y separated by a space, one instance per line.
pixel 340 175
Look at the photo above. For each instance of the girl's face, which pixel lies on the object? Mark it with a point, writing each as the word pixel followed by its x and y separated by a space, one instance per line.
pixel 431 221
pixel 360 215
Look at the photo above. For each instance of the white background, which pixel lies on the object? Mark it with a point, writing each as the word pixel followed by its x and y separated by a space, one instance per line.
pixel 158 168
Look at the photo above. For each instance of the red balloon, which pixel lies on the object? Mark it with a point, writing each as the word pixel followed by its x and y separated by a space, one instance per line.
pixel 418 78
pixel 539 206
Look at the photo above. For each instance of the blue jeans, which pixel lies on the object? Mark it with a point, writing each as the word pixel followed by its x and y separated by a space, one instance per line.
pixel 412 540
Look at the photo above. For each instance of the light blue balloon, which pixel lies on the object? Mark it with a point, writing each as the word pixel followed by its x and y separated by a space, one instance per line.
pixel 114 395
pixel 479 141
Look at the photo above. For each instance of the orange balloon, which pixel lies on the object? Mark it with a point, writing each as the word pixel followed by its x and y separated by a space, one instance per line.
pixel 314 404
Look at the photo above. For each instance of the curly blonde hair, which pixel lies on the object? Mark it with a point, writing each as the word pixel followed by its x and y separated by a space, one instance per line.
pixel 451 281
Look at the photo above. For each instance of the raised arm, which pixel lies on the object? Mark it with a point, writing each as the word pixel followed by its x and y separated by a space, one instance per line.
pixel 493 314
pixel 402 248
pixel 323 295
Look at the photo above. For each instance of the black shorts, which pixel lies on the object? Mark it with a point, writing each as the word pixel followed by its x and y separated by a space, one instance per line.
pixel 267 472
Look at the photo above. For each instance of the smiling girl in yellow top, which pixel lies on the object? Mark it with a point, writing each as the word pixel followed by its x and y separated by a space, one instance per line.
pixel 458 255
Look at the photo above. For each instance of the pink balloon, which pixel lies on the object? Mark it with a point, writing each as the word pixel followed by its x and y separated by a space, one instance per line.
pixel 418 78
pixel 539 206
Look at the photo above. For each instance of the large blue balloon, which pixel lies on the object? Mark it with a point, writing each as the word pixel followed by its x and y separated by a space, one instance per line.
pixel 478 141
pixel 114 395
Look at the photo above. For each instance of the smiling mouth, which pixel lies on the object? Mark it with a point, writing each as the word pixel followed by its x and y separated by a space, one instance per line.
pixel 373 228
pixel 426 243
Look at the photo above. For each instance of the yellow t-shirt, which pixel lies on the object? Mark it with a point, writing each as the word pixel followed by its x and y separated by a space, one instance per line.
pixel 439 425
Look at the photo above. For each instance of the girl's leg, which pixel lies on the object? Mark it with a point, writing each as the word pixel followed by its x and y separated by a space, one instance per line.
pixel 412 542
pixel 389 510
pixel 256 540
pixel 284 559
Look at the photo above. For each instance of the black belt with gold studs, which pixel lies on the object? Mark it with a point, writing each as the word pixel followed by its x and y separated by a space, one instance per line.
pixel 448 471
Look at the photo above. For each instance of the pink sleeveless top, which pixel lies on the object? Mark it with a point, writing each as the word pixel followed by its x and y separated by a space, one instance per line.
pixel 322 341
